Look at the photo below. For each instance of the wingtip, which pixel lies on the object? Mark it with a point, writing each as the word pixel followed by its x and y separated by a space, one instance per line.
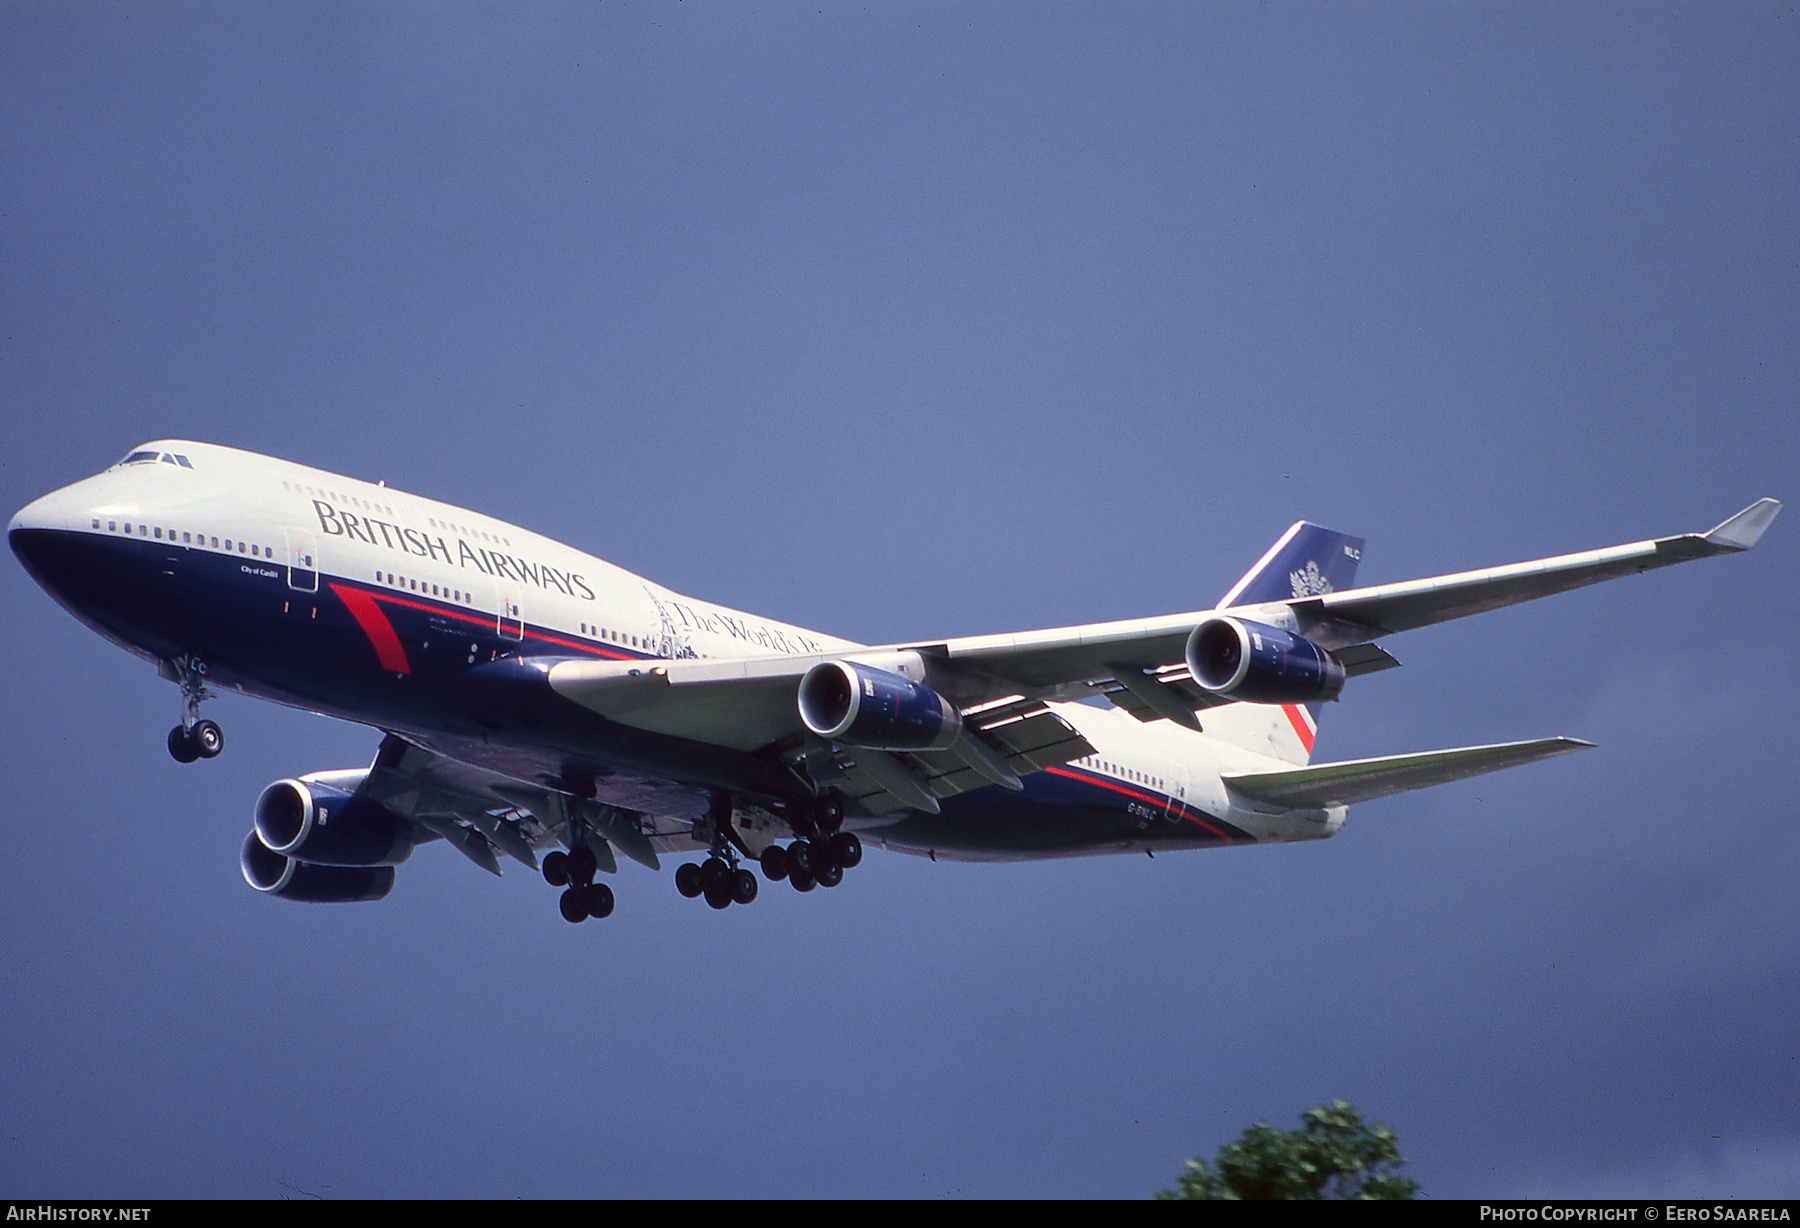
pixel 1742 531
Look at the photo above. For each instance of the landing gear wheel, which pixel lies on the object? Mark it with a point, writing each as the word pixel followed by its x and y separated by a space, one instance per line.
pixel 556 869
pixel 687 880
pixel 208 739
pixel 597 901
pixel 720 896
pixel 775 863
pixel 831 875
pixel 743 887
pixel 715 876
pixel 182 745
pixel 583 865
pixel 800 858
pixel 802 880
pixel 846 850
pixel 574 909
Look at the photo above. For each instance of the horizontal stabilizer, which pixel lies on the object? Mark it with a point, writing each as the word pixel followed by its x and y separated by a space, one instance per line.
pixel 1360 780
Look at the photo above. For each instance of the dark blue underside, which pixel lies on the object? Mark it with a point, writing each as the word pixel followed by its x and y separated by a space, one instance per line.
pixel 471 693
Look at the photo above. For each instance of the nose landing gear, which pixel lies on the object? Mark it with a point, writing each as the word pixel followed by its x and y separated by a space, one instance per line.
pixel 193 738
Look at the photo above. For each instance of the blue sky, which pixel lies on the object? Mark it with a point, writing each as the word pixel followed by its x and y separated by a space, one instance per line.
pixel 912 320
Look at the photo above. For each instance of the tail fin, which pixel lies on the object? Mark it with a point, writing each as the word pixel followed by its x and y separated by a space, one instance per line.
pixel 1306 560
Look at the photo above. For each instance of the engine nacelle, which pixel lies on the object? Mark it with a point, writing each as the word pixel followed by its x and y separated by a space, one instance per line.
pixel 860 705
pixel 1261 664
pixel 273 874
pixel 317 824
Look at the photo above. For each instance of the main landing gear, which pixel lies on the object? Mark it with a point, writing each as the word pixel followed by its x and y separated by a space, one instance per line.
pixel 719 878
pixel 584 898
pixel 193 738
pixel 817 861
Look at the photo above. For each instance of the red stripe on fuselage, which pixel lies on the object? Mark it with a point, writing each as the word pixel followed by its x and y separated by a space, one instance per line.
pixel 1104 783
pixel 486 623
pixel 368 616
pixel 1302 727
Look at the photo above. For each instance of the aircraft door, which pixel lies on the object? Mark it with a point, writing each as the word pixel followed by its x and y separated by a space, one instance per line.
pixel 302 564
pixel 1178 789
pixel 512 616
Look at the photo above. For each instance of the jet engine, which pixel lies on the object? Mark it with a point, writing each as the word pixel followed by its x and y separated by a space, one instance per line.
pixel 274 874
pixel 1261 664
pixel 315 823
pixel 860 705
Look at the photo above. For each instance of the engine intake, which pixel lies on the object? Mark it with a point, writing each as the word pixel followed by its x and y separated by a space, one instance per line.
pixel 860 705
pixel 317 824
pixel 273 874
pixel 1261 664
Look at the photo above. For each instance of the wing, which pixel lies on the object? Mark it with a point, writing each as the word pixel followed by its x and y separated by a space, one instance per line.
pixel 1048 659
pixel 480 812
pixel 749 703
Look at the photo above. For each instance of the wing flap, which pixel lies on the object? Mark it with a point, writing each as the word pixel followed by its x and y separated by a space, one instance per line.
pixel 1025 734
pixel 1361 780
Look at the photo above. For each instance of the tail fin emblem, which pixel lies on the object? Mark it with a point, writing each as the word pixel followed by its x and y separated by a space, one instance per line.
pixel 1308 581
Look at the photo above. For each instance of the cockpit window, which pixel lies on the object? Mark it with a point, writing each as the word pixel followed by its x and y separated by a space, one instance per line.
pixel 150 458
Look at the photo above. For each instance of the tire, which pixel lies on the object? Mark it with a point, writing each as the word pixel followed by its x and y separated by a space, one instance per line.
pixel 846 849
pixel 597 900
pixel 802 880
pixel 687 880
pixel 583 865
pixel 775 863
pixel 573 908
pixel 182 745
pixel 556 869
pixel 800 858
pixel 831 875
pixel 715 875
pixel 743 887
pixel 719 897
pixel 209 739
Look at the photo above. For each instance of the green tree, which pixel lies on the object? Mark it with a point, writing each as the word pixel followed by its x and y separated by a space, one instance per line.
pixel 1334 1154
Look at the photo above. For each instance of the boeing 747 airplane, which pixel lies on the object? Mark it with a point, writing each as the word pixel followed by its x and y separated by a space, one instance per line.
pixel 535 699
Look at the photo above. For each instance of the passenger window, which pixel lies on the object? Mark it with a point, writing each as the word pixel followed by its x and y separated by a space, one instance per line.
pixel 159 533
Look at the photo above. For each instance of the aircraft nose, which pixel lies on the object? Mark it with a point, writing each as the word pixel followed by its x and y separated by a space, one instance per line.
pixel 39 532
pixel 50 512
